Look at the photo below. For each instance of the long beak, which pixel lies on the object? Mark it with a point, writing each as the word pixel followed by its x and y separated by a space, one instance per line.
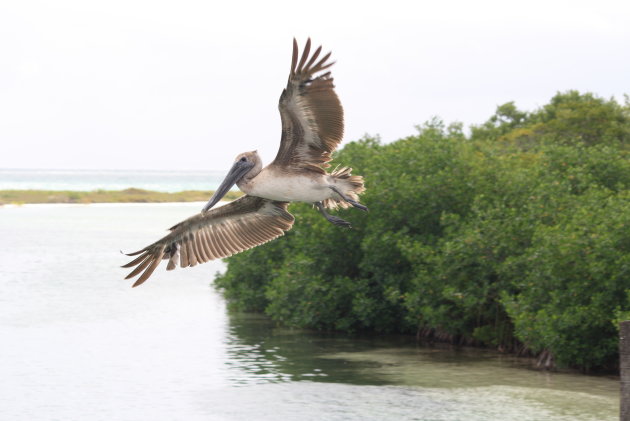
pixel 238 170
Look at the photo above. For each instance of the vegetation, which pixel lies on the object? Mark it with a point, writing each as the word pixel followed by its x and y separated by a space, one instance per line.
pixel 104 196
pixel 515 236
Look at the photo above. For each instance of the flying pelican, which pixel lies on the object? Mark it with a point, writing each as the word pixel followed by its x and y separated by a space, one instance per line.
pixel 312 127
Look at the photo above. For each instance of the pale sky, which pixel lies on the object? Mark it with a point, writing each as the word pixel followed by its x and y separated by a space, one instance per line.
pixel 178 85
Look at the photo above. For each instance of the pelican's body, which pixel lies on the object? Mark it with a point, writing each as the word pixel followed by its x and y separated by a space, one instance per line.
pixel 274 184
pixel 312 127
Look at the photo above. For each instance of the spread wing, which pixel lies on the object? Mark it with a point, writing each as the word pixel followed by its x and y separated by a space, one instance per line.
pixel 312 116
pixel 240 225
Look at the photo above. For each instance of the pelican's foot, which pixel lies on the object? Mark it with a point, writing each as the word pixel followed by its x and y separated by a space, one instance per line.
pixel 332 218
pixel 338 221
pixel 347 199
pixel 358 205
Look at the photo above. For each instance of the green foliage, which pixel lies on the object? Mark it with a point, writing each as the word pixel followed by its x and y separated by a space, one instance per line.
pixel 516 236
pixel 248 273
pixel 570 118
pixel 571 280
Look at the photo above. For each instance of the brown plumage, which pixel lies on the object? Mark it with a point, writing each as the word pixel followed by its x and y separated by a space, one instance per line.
pixel 312 127
pixel 312 116
pixel 240 225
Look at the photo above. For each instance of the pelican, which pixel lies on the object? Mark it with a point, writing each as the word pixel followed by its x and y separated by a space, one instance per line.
pixel 312 127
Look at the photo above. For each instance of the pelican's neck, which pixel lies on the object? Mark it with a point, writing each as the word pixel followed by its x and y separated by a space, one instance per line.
pixel 246 183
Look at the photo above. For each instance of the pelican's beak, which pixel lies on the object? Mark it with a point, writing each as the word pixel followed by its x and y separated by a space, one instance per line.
pixel 238 170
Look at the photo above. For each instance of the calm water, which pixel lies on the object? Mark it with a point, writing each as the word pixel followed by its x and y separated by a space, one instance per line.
pixel 77 343
pixel 87 180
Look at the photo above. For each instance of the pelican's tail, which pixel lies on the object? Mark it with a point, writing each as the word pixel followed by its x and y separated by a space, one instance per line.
pixel 350 185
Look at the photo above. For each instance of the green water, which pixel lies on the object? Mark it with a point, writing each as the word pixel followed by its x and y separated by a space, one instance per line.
pixel 463 383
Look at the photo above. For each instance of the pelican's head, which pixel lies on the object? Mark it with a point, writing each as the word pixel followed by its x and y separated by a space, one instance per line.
pixel 246 165
pixel 246 158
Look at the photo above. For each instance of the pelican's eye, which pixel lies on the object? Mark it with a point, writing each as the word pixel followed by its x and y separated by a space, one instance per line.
pixel 243 159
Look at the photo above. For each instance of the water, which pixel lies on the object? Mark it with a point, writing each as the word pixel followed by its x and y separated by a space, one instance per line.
pixel 88 180
pixel 77 343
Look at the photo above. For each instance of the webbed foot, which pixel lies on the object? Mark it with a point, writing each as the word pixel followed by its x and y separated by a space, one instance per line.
pixel 358 205
pixel 338 221
pixel 347 199
pixel 332 218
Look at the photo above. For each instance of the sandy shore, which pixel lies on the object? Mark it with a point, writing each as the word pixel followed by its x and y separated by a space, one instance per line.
pixel 20 197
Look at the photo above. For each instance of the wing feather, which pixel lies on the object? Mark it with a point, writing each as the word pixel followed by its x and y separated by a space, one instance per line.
pixel 156 258
pixel 314 57
pixel 240 225
pixel 213 244
pixel 183 255
pixel 202 247
pixel 312 116
pixel 218 246
pixel 136 260
pixel 305 53
pixel 229 249
pixel 140 267
pixel 233 235
pixel 192 250
pixel 174 256
pixel 249 236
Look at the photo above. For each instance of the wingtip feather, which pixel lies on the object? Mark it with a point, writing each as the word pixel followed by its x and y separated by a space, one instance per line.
pixel 305 53
pixel 139 268
pixel 135 253
pixel 313 58
pixel 149 271
pixel 294 57
pixel 135 261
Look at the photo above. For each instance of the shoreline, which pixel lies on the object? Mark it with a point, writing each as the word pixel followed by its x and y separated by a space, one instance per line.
pixel 127 196
pixel 102 204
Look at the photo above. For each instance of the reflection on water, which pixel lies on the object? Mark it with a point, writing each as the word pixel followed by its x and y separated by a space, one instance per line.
pixel 79 344
pixel 479 383
pixel 257 346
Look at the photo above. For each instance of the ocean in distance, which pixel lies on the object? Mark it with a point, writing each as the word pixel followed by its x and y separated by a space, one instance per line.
pixel 88 180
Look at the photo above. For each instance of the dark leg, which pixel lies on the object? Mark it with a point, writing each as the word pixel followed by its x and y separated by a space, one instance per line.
pixel 331 218
pixel 347 199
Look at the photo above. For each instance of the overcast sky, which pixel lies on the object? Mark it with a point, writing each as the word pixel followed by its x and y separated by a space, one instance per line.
pixel 190 84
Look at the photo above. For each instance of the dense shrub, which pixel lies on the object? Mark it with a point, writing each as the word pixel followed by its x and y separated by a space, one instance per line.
pixel 517 236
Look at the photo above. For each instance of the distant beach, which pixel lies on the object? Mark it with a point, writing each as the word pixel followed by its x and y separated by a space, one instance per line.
pixel 20 186
pixel 132 195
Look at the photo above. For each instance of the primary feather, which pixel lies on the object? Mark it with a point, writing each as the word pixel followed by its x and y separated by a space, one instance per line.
pixel 221 232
